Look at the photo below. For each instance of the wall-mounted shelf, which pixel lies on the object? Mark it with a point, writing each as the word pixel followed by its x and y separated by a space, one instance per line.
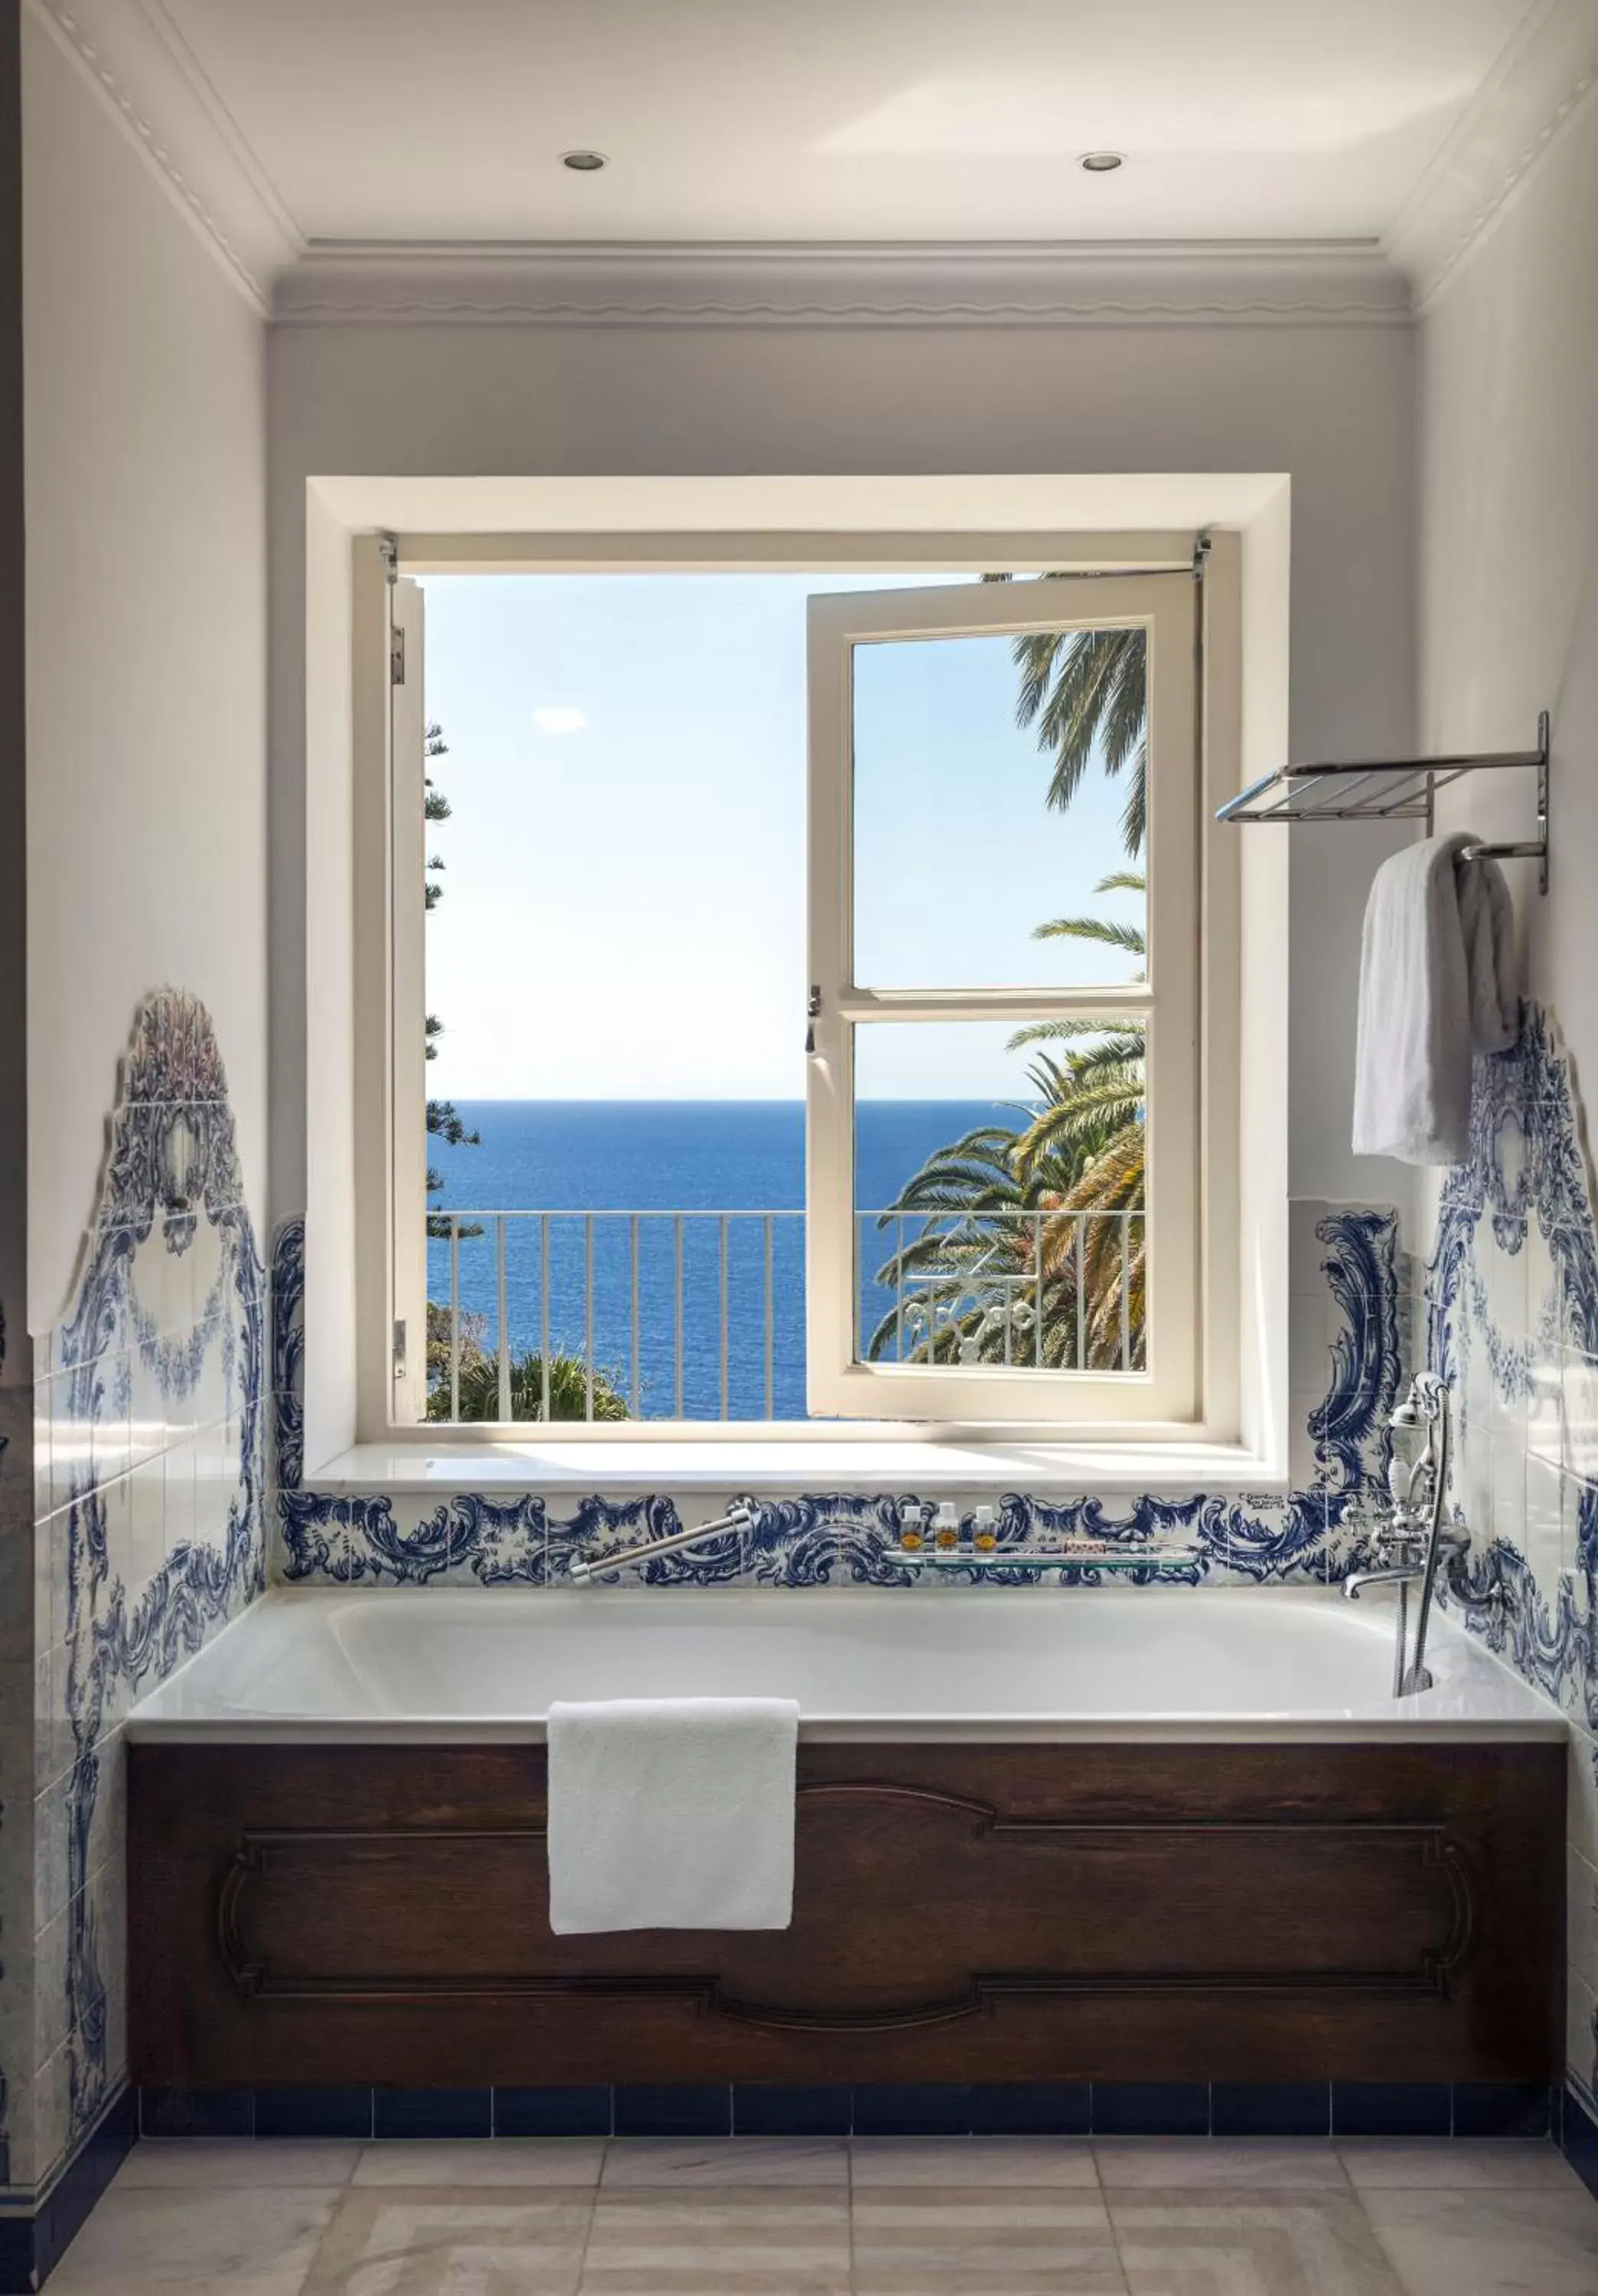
pixel 1398 789
pixel 1039 1558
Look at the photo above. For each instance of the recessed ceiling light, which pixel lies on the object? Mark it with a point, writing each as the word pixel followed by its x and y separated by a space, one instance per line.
pixel 1102 163
pixel 583 163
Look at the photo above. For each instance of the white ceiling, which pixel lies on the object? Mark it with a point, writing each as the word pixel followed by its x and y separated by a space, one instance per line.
pixel 836 120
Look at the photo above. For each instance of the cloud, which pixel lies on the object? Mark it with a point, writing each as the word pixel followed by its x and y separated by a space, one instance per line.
pixel 557 718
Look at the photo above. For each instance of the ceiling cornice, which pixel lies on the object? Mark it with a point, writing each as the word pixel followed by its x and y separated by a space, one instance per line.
pixel 133 55
pixel 1546 75
pixel 778 284
pixel 134 59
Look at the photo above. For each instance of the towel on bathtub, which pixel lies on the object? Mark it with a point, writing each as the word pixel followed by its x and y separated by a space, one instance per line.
pixel 1436 983
pixel 672 1814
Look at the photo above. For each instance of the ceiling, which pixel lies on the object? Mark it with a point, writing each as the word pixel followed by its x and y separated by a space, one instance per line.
pixel 865 120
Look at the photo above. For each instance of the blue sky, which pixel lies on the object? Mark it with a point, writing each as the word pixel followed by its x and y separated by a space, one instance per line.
pixel 624 892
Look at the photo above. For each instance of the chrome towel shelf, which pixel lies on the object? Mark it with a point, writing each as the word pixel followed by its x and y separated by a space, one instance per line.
pixel 1398 789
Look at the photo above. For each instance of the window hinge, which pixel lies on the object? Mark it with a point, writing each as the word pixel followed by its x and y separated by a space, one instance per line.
pixel 396 657
pixel 813 1013
pixel 399 1346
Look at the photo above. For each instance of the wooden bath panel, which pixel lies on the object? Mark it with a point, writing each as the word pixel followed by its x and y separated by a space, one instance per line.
pixel 379 1913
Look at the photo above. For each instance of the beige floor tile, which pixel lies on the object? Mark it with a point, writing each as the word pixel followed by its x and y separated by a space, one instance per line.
pixel 246 2241
pixel 1241 2243
pixel 694 2241
pixel 1187 2165
pixel 392 2242
pixel 571 2161
pixel 983 2241
pixel 727 2162
pixel 1490 2243
pixel 1459 2164
pixel 971 2161
pixel 164 2163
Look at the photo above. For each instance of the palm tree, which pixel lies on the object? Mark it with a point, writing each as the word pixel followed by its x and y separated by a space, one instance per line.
pixel 1077 1160
pixel 1081 689
pixel 568 1388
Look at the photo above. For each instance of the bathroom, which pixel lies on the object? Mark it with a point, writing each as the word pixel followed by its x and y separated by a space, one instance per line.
pixel 1135 1922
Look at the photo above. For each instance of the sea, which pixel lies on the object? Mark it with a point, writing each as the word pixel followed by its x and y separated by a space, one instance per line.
pixel 612 1158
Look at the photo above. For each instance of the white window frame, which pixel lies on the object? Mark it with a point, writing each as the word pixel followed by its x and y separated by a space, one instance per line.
pixel 1167 1005
pixel 390 1283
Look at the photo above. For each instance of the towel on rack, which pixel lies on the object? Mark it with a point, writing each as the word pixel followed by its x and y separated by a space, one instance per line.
pixel 1436 983
pixel 672 1814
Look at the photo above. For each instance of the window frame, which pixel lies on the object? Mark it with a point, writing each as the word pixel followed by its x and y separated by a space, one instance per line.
pixel 383 1403
pixel 1167 1004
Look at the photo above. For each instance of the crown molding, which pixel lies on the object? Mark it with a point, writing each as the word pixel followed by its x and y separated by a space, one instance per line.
pixel 867 284
pixel 1543 78
pixel 131 53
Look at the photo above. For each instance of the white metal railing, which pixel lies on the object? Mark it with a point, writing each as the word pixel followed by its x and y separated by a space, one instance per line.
pixel 954 1287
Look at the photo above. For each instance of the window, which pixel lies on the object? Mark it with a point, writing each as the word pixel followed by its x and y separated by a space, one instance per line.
pixel 983 1191
pixel 1043 1267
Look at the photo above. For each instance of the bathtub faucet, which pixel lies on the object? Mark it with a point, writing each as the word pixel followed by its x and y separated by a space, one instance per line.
pixel 1414 1538
pixel 739 1517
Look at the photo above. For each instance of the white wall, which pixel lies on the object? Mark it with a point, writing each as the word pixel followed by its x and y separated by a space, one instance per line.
pixel 1331 405
pixel 1509 546
pixel 146 643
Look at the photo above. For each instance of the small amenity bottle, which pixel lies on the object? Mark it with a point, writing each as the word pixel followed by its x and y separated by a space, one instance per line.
pixel 985 1536
pixel 945 1532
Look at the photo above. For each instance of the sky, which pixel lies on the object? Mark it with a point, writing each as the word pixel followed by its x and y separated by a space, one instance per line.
pixel 624 902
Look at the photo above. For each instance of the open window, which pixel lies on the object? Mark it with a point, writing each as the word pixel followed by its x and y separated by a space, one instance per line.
pixel 986 1188
pixel 1046 1265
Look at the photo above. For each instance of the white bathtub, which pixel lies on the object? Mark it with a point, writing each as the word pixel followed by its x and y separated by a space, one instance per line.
pixel 931 1664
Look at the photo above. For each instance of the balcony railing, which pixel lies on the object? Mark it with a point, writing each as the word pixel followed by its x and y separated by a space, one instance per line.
pixel 697 1313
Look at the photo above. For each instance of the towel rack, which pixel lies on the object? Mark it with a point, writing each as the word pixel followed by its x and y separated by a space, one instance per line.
pixel 1396 789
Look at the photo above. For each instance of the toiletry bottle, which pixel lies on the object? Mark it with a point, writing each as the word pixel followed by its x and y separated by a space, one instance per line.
pixel 912 1536
pixel 945 1533
pixel 984 1535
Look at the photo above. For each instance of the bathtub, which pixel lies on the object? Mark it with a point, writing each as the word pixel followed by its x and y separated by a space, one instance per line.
pixel 927 1664
pixel 1042 1836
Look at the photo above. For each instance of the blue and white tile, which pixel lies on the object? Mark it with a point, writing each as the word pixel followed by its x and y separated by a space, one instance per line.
pixel 168 1305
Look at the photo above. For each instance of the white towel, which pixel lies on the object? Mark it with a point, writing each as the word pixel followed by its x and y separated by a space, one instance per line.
pixel 1437 982
pixel 672 1814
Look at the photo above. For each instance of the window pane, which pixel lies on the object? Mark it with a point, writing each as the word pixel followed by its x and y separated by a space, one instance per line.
pixel 994 847
pixel 999 1195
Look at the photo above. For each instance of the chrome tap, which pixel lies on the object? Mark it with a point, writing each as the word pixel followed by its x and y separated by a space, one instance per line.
pixel 1413 1537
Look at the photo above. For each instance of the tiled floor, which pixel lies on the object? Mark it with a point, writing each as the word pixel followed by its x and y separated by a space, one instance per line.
pixel 912 2217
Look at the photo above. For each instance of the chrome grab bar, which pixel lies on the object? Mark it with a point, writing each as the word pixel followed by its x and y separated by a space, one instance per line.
pixel 738 1517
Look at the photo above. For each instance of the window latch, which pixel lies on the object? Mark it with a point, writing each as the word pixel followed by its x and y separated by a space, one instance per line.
pixel 399 1346
pixel 813 1014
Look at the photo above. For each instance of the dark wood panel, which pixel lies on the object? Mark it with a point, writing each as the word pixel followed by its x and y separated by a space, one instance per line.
pixel 380 1915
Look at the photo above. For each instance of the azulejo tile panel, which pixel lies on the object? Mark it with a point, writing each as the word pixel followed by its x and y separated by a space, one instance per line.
pixel 1512 1317
pixel 1511 1320
pixel 844 1538
pixel 159 1362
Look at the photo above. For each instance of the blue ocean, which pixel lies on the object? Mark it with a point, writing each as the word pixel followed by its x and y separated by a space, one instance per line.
pixel 622 1157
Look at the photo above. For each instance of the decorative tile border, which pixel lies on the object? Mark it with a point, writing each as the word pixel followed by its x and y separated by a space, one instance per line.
pixel 170 1225
pixel 841 1538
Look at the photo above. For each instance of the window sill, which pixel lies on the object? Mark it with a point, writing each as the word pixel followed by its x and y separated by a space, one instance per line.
pixel 768 1466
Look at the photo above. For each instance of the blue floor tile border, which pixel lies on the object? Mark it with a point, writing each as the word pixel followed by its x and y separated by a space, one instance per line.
pixel 32 2243
pixel 1221 2109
